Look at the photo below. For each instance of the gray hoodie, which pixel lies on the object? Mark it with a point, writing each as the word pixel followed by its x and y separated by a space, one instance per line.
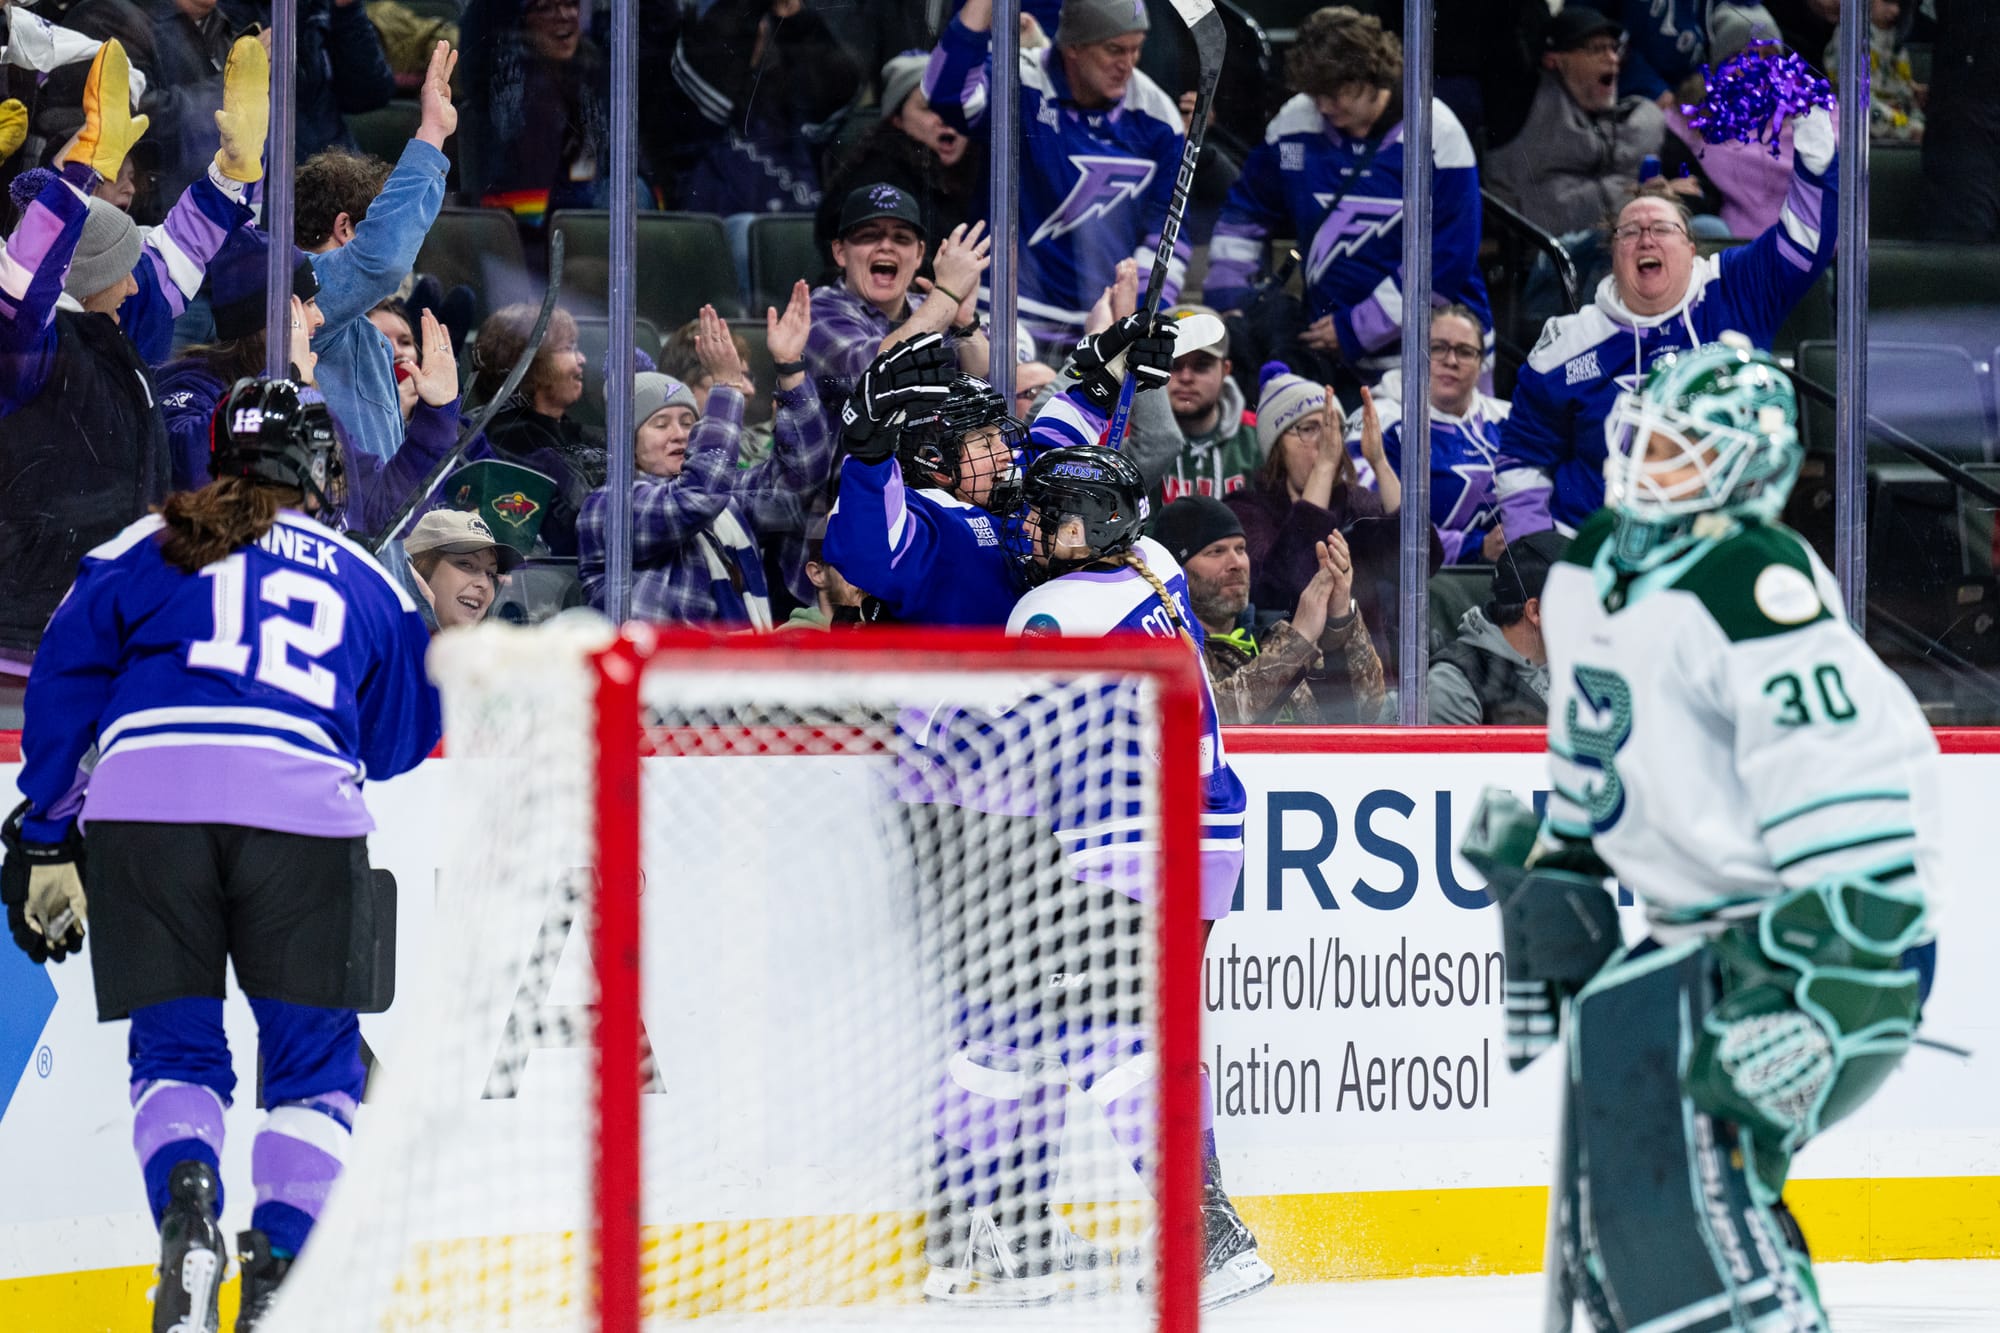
pixel 1514 686
pixel 1568 169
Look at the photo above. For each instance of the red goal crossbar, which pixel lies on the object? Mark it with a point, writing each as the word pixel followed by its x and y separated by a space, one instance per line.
pixel 623 740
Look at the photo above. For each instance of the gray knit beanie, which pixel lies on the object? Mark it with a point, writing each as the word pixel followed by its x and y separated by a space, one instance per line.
pixel 653 391
pixel 1283 400
pixel 1087 21
pixel 107 251
pixel 900 77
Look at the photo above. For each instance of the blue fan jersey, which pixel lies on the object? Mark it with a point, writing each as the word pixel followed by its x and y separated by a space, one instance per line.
pixel 1353 247
pixel 1095 184
pixel 1552 446
pixel 1463 451
pixel 260 691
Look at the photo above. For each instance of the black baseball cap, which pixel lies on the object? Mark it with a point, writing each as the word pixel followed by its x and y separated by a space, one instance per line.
pixel 1577 24
pixel 1523 568
pixel 868 202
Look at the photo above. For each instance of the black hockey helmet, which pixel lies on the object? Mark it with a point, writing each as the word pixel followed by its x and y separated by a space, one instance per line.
pixel 274 431
pixel 931 439
pixel 1093 483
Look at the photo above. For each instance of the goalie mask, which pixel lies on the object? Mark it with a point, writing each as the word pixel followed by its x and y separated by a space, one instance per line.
pixel 1086 484
pixel 1714 431
pixel 933 445
pixel 271 431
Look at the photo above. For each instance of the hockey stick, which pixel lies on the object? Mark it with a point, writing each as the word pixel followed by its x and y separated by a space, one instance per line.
pixel 1205 25
pixel 380 541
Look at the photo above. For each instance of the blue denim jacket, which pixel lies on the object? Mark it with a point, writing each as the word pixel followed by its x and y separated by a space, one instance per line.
pixel 356 364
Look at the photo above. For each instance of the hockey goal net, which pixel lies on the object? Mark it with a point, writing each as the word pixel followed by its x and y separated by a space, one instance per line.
pixel 792 982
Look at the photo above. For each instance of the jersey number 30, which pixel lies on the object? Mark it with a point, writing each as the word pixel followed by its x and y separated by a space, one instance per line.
pixel 279 636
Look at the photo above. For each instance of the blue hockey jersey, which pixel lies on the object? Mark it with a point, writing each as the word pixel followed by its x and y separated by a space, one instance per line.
pixel 260 691
pixel 1095 184
pixel 1098 833
pixel 933 558
pixel 1552 445
pixel 1353 252
pixel 1463 450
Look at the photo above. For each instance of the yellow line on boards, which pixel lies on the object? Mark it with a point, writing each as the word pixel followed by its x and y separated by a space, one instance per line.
pixel 708 1267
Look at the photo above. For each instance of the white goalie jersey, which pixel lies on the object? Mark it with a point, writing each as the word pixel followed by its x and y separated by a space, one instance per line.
pixel 1721 734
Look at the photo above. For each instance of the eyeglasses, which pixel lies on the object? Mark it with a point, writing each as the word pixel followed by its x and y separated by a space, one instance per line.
pixel 1602 46
pixel 1310 431
pixel 1659 231
pixel 1449 352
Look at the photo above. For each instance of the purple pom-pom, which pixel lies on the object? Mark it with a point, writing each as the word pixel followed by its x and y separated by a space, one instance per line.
pixel 1269 371
pixel 24 187
pixel 1753 94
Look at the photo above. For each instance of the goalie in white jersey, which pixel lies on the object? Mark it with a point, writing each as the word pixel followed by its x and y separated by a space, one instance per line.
pixel 1725 743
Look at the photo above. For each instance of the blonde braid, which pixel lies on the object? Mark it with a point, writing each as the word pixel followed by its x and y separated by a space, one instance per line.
pixel 1131 559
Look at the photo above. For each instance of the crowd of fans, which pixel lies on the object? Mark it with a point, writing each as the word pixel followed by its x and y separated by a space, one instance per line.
pixel 133 284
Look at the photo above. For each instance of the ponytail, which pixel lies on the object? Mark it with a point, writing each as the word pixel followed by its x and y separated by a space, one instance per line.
pixel 204 526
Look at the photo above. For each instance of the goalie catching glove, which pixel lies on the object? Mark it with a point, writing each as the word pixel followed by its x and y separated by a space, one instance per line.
pixel 910 374
pixel 42 886
pixel 1140 343
pixel 1557 923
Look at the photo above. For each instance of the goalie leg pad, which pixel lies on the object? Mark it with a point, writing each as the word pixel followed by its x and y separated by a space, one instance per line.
pixel 1669 1228
pixel 1812 1017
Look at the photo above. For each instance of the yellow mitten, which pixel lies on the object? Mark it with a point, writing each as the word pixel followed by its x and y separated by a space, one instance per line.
pixel 13 127
pixel 245 118
pixel 109 127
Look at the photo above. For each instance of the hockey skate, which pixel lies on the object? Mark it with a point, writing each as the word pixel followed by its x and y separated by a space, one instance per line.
pixel 986 1263
pixel 191 1254
pixel 262 1271
pixel 1230 1268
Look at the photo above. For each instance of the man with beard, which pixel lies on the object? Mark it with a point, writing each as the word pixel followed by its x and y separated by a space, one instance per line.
pixel 1319 666
pixel 870 307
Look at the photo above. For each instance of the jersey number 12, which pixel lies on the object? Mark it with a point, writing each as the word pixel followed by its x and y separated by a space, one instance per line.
pixel 279 636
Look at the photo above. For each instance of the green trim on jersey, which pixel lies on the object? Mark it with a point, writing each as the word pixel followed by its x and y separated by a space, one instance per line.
pixel 1845 798
pixel 1867 838
pixel 1590 539
pixel 1725 580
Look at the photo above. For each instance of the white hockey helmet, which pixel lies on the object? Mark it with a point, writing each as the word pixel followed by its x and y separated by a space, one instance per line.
pixel 1714 430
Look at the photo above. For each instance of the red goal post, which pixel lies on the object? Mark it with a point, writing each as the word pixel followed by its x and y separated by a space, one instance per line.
pixel 640 650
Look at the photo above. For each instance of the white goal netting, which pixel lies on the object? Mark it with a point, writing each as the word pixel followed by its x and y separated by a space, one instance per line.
pixel 899 1026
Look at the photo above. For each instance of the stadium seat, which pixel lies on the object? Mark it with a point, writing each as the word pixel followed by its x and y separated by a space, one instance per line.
pixel 1919 292
pixel 782 251
pixel 683 262
pixel 385 131
pixel 593 337
pixel 1454 590
pixel 754 332
pixel 479 248
pixel 1934 393
pixel 1895 179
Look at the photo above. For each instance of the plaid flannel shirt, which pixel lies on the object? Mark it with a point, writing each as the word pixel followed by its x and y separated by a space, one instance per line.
pixel 670 580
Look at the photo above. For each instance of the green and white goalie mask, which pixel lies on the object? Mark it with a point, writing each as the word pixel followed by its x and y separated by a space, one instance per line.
pixel 1713 430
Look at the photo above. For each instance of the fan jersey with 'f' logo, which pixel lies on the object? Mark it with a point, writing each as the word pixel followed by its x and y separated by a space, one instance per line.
pixel 1345 207
pixel 1095 183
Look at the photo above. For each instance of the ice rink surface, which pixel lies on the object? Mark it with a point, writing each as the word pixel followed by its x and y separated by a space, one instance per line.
pixel 1934 1296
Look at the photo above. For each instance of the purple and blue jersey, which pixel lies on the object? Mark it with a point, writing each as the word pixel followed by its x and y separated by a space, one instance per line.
pixel 1310 181
pixel 1096 183
pixel 1463 451
pixel 260 691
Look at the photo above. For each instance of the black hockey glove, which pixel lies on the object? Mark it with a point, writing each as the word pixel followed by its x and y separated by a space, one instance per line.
pixel 910 374
pixel 42 886
pixel 1147 349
